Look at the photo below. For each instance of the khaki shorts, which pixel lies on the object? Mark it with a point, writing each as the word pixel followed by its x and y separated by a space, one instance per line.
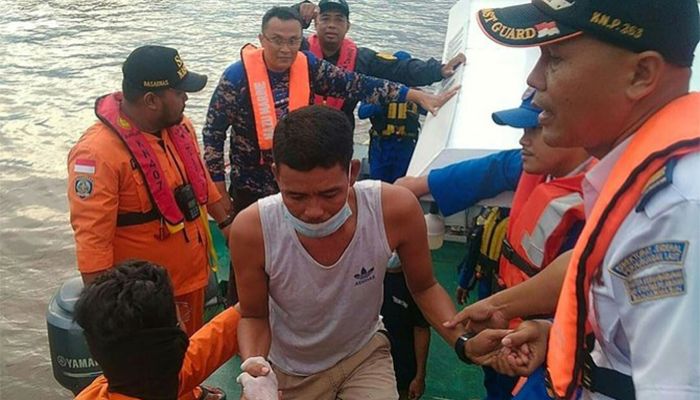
pixel 367 374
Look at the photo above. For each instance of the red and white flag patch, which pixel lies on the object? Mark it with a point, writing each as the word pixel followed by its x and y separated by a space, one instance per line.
pixel 83 166
pixel 547 29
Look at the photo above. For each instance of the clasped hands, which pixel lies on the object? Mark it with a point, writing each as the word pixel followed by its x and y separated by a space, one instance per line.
pixel 513 352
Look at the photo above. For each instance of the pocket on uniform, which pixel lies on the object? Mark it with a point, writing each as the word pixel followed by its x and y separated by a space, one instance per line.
pixel 139 193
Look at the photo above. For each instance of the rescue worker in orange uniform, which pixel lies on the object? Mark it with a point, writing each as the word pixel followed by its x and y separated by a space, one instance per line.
pixel 614 77
pixel 137 187
pixel 132 329
pixel 547 211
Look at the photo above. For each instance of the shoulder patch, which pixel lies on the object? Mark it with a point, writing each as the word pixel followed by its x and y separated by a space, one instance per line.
pixel 666 252
pixel 660 180
pixel 657 286
pixel 84 166
pixel 386 56
pixel 83 186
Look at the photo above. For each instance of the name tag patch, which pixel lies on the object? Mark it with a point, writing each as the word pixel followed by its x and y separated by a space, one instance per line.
pixel 657 286
pixel 659 253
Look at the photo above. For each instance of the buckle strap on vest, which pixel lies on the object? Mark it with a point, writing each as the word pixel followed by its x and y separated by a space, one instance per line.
pixel 137 218
pixel 607 381
pixel 509 253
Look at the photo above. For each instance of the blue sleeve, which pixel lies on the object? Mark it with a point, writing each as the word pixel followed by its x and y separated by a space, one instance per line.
pixel 465 276
pixel 367 110
pixel 329 80
pixel 219 119
pixel 459 186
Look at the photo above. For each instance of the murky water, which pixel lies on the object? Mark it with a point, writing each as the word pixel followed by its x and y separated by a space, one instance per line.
pixel 56 57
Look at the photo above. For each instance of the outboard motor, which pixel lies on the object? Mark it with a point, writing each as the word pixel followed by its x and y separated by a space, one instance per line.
pixel 73 366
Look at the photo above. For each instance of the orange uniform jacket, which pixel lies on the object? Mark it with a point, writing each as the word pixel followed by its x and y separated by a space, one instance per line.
pixel 209 348
pixel 103 181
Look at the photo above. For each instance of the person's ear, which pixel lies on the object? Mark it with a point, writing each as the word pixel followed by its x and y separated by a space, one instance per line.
pixel 275 173
pixel 260 39
pixel 355 167
pixel 648 70
pixel 151 100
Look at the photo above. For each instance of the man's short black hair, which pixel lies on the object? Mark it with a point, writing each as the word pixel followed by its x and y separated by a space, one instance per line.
pixel 313 136
pixel 282 13
pixel 131 328
pixel 128 298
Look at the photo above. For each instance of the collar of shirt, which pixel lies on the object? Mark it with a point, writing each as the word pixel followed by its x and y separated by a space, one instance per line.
pixel 595 178
pixel 579 169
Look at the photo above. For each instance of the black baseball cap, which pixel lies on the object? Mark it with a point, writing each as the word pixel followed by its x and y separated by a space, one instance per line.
pixel 338 5
pixel 157 67
pixel 670 27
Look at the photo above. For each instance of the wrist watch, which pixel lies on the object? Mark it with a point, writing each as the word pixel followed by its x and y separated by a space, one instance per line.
pixel 459 347
pixel 227 221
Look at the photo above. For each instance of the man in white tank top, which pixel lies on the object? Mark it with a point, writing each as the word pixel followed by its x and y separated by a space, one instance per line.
pixel 310 262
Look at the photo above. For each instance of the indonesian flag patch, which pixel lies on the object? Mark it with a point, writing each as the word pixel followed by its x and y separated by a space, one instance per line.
pixel 547 29
pixel 83 166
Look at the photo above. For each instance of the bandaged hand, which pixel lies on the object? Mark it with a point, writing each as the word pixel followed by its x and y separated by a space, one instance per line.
pixel 258 380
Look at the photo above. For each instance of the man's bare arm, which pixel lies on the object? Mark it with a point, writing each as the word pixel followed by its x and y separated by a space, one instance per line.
pixel 248 258
pixel 225 198
pixel 406 231
pixel 418 185
pixel 536 296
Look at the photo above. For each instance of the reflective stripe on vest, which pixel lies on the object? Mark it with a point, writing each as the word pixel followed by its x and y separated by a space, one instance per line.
pixel 346 61
pixel 261 96
pixel 550 219
pixel 543 213
pixel 401 119
pixel 107 109
pixel 671 132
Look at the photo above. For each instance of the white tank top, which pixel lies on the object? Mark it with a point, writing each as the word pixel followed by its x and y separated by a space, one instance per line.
pixel 321 314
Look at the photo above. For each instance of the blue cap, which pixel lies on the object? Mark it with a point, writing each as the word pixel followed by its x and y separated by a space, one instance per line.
pixel 402 55
pixel 524 116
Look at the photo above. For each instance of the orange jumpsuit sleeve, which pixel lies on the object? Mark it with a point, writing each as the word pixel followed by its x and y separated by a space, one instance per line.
pixel 93 199
pixel 210 347
pixel 214 195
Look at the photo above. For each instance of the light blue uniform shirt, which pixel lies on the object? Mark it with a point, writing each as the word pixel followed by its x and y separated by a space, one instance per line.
pixel 645 310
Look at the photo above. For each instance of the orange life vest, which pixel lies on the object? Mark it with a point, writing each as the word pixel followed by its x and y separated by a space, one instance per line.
pixel 542 215
pixel 261 96
pixel 346 61
pixel 107 109
pixel 671 132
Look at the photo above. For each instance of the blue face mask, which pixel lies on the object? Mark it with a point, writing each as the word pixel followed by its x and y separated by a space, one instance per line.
pixel 325 228
pixel 322 229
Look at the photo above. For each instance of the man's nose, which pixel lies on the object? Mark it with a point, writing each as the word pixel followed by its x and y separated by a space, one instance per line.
pixel 313 212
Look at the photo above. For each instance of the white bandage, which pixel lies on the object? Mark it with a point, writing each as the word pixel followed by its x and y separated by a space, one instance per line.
pixel 258 387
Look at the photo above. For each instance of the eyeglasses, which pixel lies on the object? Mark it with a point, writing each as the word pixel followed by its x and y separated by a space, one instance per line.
pixel 279 42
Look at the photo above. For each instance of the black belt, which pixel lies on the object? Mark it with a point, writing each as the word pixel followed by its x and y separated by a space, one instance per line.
pixel 516 259
pixel 136 218
pixel 607 381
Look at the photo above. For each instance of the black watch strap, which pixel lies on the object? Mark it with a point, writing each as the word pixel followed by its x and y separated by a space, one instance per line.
pixel 227 221
pixel 459 347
